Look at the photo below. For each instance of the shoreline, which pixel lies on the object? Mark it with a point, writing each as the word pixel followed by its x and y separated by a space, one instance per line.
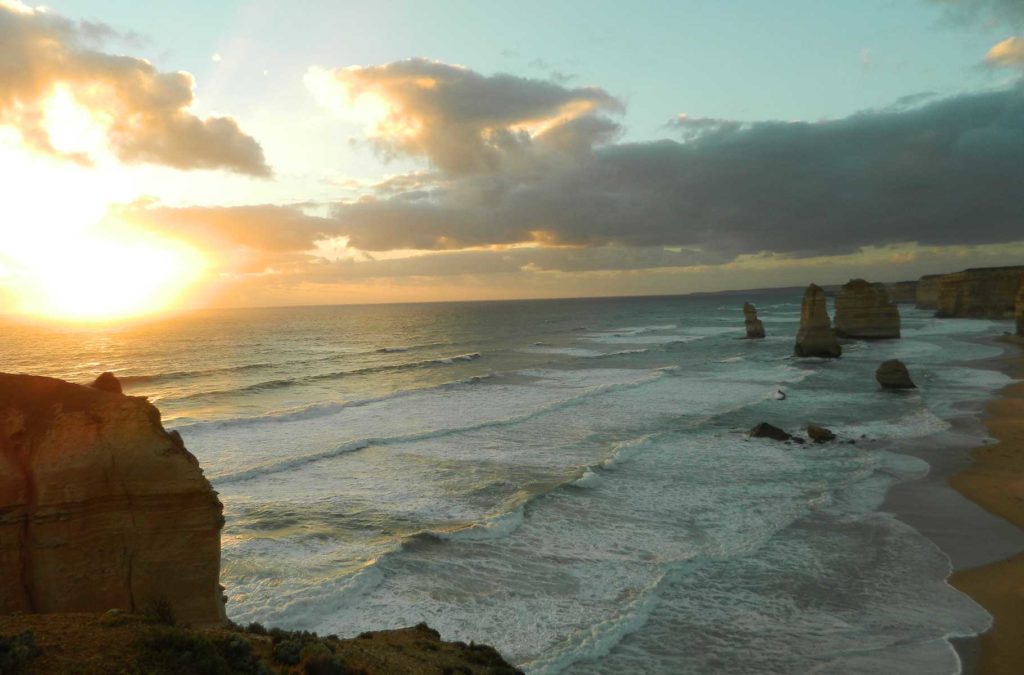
pixel 995 481
pixel 985 546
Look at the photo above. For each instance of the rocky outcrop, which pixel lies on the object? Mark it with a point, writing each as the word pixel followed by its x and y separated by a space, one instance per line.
pixel 100 507
pixel 820 434
pixel 755 329
pixel 107 382
pixel 864 311
pixel 982 293
pixel 765 430
pixel 892 374
pixel 816 336
pixel 927 293
pixel 59 644
pixel 902 291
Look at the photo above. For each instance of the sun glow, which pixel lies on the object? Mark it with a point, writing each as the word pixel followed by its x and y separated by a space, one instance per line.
pixel 105 274
pixel 61 255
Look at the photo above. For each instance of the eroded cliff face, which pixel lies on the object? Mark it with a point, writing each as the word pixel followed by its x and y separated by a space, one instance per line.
pixel 1019 309
pixel 864 311
pixel 902 291
pixel 982 293
pixel 927 291
pixel 100 507
pixel 816 336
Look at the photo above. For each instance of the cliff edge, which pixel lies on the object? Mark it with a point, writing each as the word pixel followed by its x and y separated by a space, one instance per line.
pixel 101 508
pixel 982 293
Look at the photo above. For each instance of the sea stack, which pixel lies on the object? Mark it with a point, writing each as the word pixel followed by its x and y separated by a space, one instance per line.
pixel 892 374
pixel 864 311
pixel 755 329
pixel 816 336
pixel 100 507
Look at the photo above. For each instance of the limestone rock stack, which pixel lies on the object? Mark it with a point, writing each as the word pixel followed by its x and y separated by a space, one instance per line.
pixel 816 336
pixel 755 329
pixel 864 311
pixel 100 507
pixel 982 293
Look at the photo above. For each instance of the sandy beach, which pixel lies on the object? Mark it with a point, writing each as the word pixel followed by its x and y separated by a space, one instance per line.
pixel 996 481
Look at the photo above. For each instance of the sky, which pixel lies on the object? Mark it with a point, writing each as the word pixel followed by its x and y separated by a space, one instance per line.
pixel 160 155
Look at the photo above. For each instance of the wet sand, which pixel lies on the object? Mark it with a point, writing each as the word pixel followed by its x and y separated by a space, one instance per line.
pixel 995 481
pixel 984 543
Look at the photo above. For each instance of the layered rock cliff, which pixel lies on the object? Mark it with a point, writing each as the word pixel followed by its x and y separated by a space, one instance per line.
pixel 982 293
pixel 902 291
pixel 816 336
pixel 927 292
pixel 755 329
pixel 1019 310
pixel 100 507
pixel 864 311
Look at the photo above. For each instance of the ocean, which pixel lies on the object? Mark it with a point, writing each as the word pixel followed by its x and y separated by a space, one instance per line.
pixel 569 481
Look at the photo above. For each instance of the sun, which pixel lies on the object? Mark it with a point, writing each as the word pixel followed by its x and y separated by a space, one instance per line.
pixel 62 257
pixel 109 274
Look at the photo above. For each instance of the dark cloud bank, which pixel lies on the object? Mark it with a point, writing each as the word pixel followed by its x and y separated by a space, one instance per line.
pixel 517 160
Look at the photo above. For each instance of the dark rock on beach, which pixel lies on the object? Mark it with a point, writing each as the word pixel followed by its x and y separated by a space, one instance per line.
pixel 892 374
pixel 820 434
pixel 765 430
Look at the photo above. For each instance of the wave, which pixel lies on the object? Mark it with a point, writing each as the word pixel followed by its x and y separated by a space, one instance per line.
pixel 315 410
pixel 320 377
pixel 359 444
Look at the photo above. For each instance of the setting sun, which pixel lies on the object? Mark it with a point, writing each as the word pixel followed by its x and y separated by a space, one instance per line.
pixel 105 273
pixel 101 273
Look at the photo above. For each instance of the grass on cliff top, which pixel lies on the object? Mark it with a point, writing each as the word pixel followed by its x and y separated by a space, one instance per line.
pixel 86 644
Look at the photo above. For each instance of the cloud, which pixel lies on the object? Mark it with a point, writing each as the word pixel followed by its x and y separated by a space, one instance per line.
pixel 934 172
pixel 460 120
pixel 144 113
pixel 985 12
pixel 926 170
pixel 1008 53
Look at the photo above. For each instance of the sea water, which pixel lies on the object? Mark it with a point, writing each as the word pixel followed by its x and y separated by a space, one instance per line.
pixel 569 481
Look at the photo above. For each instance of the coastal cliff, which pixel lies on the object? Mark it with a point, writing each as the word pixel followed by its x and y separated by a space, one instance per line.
pixel 100 507
pixel 902 291
pixel 927 292
pixel 982 293
pixel 816 336
pixel 1019 310
pixel 864 311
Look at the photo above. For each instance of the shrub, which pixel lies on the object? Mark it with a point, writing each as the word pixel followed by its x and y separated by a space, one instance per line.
pixel 166 650
pixel 326 664
pixel 16 652
pixel 160 610
pixel 288 652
